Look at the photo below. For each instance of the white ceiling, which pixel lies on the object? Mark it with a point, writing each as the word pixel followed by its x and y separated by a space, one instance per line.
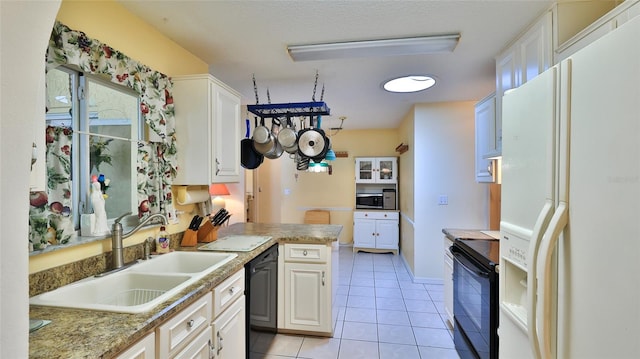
pixel 241 38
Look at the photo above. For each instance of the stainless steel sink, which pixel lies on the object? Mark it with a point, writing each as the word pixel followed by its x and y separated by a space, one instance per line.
pixel 139 288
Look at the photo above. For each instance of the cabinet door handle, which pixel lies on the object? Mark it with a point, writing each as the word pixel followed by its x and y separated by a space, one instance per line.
pixel 323 278
pixel 219 343
pixel 212 348
pixel 217 166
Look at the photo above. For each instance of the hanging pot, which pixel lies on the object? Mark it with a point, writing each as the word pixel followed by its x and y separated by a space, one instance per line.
pixel 261 134
pixel 288 137
pixel 270 149
pixel 313 143
pixel 249 157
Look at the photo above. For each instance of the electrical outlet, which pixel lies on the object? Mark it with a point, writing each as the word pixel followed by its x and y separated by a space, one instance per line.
pixel 443 199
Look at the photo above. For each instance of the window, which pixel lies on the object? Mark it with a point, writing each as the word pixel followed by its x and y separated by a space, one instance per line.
pixel 81 125
pixel 103 123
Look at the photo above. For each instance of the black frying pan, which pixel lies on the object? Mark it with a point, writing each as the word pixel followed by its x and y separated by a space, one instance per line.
pixel 249 157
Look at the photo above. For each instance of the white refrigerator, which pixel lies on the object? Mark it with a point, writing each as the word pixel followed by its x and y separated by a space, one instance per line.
pixel 570 226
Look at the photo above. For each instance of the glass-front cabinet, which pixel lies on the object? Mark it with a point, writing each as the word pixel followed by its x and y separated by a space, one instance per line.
pixel 376 169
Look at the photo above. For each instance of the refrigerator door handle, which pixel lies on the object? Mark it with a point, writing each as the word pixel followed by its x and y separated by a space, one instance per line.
pixel 547 247
pixel 532 288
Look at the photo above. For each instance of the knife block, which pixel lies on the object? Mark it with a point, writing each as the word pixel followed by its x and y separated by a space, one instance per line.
pixel 190 238
pixel 207 232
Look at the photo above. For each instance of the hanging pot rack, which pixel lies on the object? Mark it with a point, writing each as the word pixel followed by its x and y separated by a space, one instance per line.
pixel 316 144
pixel 293 109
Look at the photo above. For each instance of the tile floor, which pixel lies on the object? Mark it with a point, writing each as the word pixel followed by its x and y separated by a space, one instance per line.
pixel 381 313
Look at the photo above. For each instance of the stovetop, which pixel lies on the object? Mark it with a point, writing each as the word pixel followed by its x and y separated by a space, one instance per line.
pixel 485 251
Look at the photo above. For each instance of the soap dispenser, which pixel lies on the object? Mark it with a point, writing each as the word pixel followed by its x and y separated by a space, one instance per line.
pixel 162 241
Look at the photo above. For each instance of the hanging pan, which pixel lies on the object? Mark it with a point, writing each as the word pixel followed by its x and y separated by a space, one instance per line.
pixel 288 138
pixel 249 157
pixel 313 143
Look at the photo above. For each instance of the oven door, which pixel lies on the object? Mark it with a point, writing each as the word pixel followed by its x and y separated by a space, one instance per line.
pixel 474 306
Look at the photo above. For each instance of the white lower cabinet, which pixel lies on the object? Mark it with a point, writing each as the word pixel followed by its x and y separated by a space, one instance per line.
pixel 198 348
pixel 181 330
pixel 145 348
pixel 228 328
pixel 228 332
pixel 376 231
pixel 211 327
pixel 305 288
pixel 448 280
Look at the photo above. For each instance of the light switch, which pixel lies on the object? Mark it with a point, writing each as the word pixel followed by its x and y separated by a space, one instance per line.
pixel 443 199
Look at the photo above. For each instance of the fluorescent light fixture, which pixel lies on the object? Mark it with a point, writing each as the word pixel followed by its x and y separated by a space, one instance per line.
pixel 371 48
pixel 413 83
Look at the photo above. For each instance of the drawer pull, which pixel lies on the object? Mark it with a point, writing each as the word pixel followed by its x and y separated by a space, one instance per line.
pixel 190 323
pixel 304 253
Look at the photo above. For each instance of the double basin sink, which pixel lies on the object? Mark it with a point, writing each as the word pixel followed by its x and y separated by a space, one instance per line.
pixel 138 288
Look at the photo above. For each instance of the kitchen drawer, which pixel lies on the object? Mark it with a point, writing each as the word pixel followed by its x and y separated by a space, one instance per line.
pixel 308 253
pixel 227 292
pixel 144 348
pixel 375 215
pixel 199 348
pixel 184 327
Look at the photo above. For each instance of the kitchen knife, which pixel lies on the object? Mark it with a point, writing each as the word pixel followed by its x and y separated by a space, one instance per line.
pixel 221 213
pixel 224 219
pixel 193 225
pixel 198 222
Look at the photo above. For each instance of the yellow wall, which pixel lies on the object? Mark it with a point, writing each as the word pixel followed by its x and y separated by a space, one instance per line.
pixel 110 23
pixel 575 15
pixel 113 25
pixel 320 190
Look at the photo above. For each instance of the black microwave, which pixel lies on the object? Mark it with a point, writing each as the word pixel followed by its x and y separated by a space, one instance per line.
pixel 369 201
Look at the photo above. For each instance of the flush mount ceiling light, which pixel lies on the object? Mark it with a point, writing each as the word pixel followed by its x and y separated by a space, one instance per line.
pixel 370 48
pixel 413 83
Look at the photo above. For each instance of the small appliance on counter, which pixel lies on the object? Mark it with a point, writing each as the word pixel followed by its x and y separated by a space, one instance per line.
pixel 379 200
pixel 389 199
pixel 369 201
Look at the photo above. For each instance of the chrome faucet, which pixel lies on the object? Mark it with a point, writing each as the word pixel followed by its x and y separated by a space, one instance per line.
pixel 117 236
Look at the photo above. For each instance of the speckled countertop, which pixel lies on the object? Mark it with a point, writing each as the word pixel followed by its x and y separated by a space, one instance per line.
pixel 454 234
pixel 75 333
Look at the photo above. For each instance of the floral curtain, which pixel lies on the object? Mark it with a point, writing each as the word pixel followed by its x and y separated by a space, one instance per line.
pixel 50 220
pixel 157 162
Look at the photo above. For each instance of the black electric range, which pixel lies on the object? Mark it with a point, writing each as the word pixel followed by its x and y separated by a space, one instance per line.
pixel 486 251
pixel 475 297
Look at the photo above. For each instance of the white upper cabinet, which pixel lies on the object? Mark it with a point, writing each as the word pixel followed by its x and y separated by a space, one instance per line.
pixel 376 170
pixel 486 144
pixel 207 131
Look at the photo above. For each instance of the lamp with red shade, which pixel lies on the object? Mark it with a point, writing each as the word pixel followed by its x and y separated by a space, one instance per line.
pixel 216 190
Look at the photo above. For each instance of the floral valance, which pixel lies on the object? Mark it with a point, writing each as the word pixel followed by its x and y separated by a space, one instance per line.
pixel 71 47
